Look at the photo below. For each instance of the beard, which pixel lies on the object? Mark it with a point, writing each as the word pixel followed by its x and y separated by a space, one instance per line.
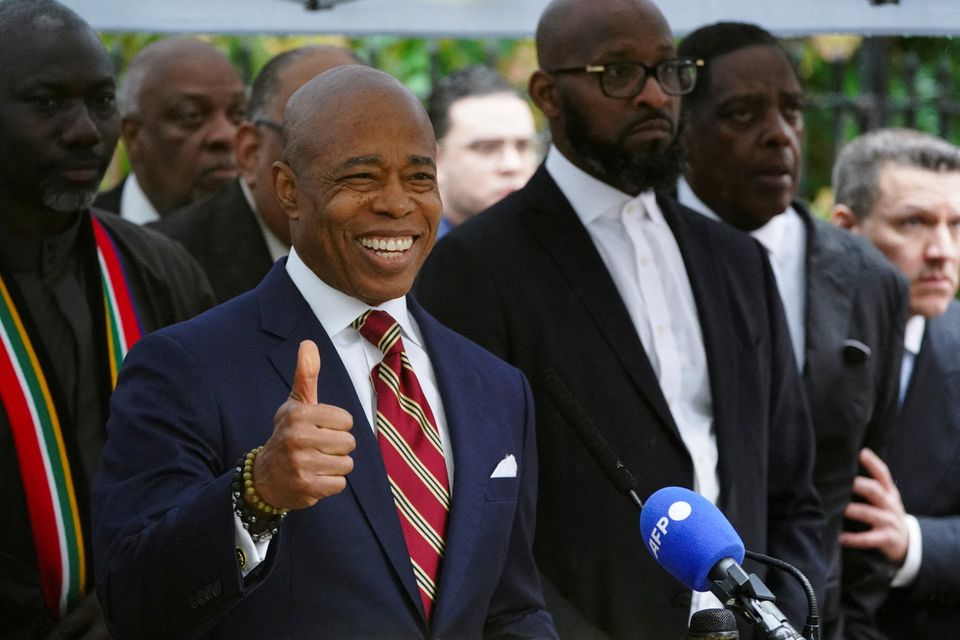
pixel 67 200
pixel 630 171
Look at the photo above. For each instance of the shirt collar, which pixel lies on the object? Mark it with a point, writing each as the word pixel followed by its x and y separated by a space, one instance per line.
pixel 591 198
pixel 913 334
pixel 134 204
pixel 771 235
pixel 275 246
pixel 336 310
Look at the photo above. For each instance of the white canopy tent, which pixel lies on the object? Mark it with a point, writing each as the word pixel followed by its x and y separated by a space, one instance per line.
pixel 504 18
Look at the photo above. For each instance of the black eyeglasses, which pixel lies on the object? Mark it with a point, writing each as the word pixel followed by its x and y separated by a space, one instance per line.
pixel 269 124
pixel 676 76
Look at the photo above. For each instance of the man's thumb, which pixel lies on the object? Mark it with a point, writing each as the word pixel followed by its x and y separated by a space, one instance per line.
pixel 305 376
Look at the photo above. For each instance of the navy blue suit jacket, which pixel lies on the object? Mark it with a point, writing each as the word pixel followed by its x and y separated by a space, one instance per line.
pixel 923 453
pixel 193 398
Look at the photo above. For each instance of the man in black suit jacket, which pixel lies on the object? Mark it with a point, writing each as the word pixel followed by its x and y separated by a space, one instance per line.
pixel 239 232
pixel 181 103
pixel 70 280
pixel 901 190
pixel 665 327
pixel 845 304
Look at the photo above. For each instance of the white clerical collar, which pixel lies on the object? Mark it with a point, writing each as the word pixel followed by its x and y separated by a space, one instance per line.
pixel 913 334
pixel 275 246
pixel 134 204
pixel 336 310
pixel 592 198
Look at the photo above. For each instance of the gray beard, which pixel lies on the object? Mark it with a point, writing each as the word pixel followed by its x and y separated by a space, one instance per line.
pixel 68 201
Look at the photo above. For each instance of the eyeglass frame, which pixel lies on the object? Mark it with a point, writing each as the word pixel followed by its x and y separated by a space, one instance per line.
pixel 649 71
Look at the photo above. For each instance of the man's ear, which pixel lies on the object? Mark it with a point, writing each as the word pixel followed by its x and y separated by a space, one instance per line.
pixel 246 145
pixel 130 130
pixel 543 92
pixel 285 183
pixel 843 216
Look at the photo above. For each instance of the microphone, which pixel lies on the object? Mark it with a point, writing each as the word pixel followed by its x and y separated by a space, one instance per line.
pixel 713 624
pixel 689 537
pixel 731 583
pixel 590 437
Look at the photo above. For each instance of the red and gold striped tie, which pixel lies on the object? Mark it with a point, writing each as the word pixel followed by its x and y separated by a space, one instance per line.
pixel 412 452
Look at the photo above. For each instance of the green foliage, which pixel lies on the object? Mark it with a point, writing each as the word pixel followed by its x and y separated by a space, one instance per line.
pixel 830 67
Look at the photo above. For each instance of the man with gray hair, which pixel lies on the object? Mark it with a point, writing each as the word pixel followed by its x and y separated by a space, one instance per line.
pixel 238 233
pixel 901 190
pixel 181 103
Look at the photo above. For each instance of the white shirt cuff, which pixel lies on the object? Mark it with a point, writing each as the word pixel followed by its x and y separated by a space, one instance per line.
pixel 249 553
pixel 911 564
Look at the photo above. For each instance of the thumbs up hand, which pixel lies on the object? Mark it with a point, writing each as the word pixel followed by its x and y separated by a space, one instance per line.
pixel 307 457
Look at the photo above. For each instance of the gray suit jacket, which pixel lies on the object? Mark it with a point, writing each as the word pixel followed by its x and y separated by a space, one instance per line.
pixel 856 307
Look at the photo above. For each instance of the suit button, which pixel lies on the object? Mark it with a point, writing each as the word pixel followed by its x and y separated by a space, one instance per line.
pixel 681 600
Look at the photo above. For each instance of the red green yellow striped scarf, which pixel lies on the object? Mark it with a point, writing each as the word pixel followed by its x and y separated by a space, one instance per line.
pixel 38 432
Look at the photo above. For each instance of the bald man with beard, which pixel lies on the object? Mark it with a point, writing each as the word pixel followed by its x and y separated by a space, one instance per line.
pixel 252 489
pixel 665 327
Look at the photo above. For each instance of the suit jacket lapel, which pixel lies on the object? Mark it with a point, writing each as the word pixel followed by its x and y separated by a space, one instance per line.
pixel 713 309
pixel 368 481
pixel 828 300
pixel 554 222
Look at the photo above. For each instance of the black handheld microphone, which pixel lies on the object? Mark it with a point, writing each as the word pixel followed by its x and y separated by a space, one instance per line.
pixel 590 437
pixel 713 624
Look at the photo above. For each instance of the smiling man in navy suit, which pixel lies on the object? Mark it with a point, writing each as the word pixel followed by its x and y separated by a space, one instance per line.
pixel 266 475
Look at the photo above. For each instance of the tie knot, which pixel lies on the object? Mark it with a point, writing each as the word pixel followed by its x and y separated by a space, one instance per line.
pixel 381 329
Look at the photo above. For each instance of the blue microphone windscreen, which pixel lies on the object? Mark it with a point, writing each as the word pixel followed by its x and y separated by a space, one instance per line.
pixel 687 535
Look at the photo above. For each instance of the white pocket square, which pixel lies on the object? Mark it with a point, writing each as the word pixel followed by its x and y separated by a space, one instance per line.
pixel 506 469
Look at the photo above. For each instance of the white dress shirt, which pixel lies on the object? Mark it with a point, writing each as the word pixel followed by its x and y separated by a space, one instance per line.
pixel 275 246
pixel 643 258
pixel 912 339
pixel 336 311
pixel 134 204
pixel 785 239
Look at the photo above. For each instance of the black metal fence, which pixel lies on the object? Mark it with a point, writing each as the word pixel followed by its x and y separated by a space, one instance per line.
pixel 886 83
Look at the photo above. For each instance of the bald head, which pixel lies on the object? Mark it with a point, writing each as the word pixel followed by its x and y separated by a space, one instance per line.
pixel 334 98
pixel 20 16
pixel 160 60
pixel 358 182
pixel 625 136
pixel 287 72
pixel 566 27
pixel 181 103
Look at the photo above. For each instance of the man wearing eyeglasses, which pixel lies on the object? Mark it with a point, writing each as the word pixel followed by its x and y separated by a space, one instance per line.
pixel 486 141
pixel 238 233
pixel 664 327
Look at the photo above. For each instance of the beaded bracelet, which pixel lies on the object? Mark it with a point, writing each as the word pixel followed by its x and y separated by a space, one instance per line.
pixel 251 491
pixel 260 528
